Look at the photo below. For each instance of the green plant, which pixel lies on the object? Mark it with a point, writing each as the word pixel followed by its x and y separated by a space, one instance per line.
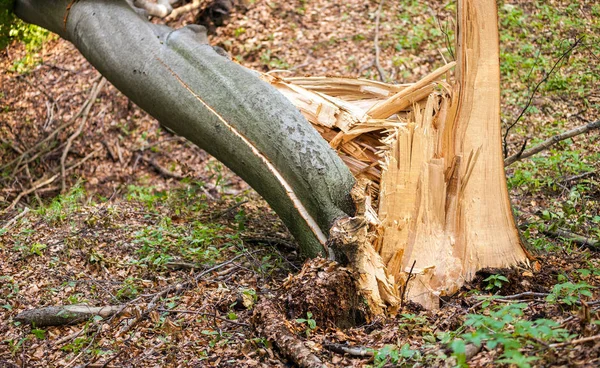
pixel 63 205
pixel 502 327
pixel 128 289
pixel 311 324
pixel 77 298
pixel 147 195
pixel 569 293
pixel 37 248
pixel 40 334
pixel 13 29
pixel 385 355
pixel 14 345
pixel 389 354
pixel 77 345
pixel 495 282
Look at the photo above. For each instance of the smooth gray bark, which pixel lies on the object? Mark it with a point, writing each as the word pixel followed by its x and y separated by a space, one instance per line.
pixel 219 105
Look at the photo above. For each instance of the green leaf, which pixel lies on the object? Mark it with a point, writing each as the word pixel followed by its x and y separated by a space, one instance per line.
pixel 40 334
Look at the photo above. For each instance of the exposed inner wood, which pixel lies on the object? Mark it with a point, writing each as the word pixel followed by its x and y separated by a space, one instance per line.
pixel 431 154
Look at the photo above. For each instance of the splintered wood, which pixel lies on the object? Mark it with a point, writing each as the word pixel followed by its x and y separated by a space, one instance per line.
pixel 430 151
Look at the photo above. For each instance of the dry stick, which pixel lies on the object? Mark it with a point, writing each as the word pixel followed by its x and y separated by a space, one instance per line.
pixel 195 4
pixel 69 337
pixel 95 90
pixel 537 86
pixel 11 146
pixel 410 275
pixel 203 314
pixel 40 183
pixel 551 141
pixel 576 341
pixel 529 294
pixel 161 170
pixel 53 133
pixel 580 176
pixel 21 164
pixel 9 224
pixel 376 42
pixel 28 173
pixel 590 243
pixel 357 351
pixel 271 241
pixel 83 160
pixel 153 303
pixel 229 210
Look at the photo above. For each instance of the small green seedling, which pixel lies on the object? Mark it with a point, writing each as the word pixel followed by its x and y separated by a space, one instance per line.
pixel 310 322
pixel 495 282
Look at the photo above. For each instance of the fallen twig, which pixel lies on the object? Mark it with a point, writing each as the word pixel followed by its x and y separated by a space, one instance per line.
pixel 40 183
pixel 551 141
pixel 69 337
pixel 161 170
pixel 195 4
pixel 13 220
pixel 53 134
pixel 576 341
pixel 589 243
pixel 229 210
pixel 526 294
pixel 153 303
pixel 271 241
pixel 405 287
pixel 90 102
pixel 357 351
pixel 376 42
pixel 580 176
pixel 203 314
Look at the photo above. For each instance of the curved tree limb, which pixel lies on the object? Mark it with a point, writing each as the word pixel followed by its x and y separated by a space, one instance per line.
pixel 217 104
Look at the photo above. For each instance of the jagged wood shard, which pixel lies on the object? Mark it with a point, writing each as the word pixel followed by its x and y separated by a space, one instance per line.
pixel 414 175
pixel 431 152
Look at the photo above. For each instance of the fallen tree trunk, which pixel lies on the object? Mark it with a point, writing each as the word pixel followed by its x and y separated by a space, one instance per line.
pixel 415 180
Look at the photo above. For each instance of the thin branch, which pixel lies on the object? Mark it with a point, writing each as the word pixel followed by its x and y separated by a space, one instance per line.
pixel 229 210
pixel 203 314
pixel 195 4
pixel 535 89
pixel 447 37
pixel 580 176
pixel 153 305
pixel 526 294
pixel 586 242
pixel 93 95
pixel 576 341
pixel 552 141
pixel 376 42
pixel 410 275
pixel 40 183
pixel 161 170
pixel 357 351
pixel 9 224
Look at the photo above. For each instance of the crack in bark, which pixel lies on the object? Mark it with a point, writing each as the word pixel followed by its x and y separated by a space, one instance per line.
pixel 310 221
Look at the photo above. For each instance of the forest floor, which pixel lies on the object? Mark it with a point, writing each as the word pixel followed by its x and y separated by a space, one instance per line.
pixel 142 213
